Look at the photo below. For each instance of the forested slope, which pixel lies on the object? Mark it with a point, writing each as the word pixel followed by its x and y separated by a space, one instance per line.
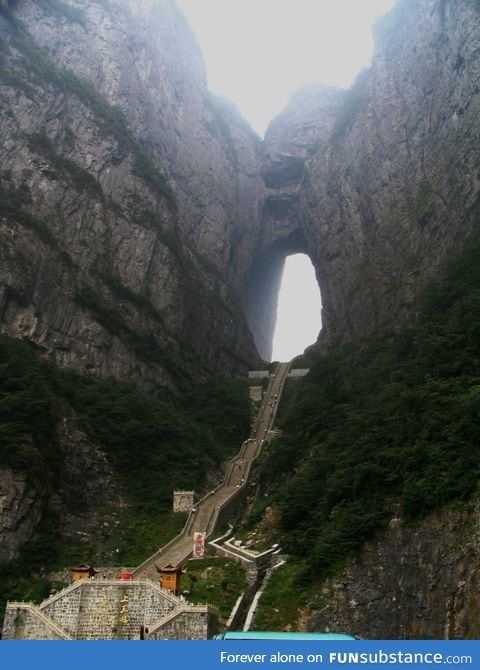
pixel 99 460
pixel 382 427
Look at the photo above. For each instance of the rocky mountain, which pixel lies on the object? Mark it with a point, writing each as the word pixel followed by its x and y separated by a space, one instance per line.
pixel 85 483
pixel 138 205
pixel 412 583
pixel 380 185
pixel 144 225
pixel 124 184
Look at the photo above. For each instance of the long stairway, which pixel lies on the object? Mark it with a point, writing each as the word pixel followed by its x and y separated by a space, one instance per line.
pixel 207 510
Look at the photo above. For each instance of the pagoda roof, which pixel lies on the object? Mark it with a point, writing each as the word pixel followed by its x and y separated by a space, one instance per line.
pixel 84 567
pixel 168 568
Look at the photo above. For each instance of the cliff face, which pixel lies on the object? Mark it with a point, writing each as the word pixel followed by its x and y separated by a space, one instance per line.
pixel 85 483
pixel 381 184
pixel 143 217
pixel 412 583
pixel 123 185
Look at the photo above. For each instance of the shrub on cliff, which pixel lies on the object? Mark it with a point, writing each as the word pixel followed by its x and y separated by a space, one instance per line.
pixel 388 421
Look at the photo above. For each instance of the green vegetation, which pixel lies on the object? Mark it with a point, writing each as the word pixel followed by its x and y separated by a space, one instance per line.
pixel 24 578
pixel 423 205
pixel 154 443
pixel 280 602
pixel 216 581
pixel 389 422
pixel 126 294
pixel 221 414
pixel 27 415
pixel 107 316
pixel 144 167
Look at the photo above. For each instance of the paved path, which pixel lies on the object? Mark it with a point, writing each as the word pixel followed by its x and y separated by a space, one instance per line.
pixel 204 518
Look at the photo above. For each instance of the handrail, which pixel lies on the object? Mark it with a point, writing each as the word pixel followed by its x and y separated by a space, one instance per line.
pixel 59 594
pixel 191 516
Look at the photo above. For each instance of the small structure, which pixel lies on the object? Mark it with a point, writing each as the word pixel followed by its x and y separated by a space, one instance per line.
pixel 256 393
pixel 258 374
pixel 298 372
pixel 170 578
pixel 183 501
pixel 83 571
pixel 124 574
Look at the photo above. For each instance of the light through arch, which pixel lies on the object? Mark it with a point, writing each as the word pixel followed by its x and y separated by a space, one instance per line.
pixel 299 309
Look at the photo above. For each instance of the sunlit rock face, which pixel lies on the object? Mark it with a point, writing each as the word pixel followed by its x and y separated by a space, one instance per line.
pixel 382 183
pixel 126 187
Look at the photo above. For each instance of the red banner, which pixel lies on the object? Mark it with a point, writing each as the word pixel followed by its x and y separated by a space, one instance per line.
pixel 198 545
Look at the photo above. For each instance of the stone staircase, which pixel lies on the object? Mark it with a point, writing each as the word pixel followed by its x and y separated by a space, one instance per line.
pixel 217 504
pixel 112 609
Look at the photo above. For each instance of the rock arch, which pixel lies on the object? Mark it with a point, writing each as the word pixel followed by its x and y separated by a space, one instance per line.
pixel 264 286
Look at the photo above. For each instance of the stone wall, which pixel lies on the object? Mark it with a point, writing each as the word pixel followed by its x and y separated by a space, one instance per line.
pixel 183 501
pixel 194 623
pixel 299 372
pixel 108 610
pixel 23 621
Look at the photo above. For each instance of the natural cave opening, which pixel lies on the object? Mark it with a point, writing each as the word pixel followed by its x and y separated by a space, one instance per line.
pixel 298 310
pixel 298 302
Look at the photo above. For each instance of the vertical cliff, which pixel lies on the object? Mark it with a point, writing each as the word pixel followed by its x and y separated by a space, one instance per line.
pixel 124 186
pixel 152 217
pixel 411 583
pixel 380 185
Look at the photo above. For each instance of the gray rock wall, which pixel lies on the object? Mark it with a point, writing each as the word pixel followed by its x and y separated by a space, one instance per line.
pixel 127 184
pixel 159 216
pixel 409 583
pixel 21 507
pixel 85 484
pixel 380 185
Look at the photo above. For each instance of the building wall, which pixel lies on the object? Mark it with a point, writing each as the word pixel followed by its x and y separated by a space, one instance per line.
pixel 258 374
pixel 21 623
pixel 188 625
pixel 298 372
pixel 183 501
pixel 106 610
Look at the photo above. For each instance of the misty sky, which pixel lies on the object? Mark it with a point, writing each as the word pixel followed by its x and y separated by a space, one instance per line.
pixel 257 53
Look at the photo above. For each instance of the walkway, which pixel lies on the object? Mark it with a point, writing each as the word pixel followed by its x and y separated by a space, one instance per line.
pixel 208 509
